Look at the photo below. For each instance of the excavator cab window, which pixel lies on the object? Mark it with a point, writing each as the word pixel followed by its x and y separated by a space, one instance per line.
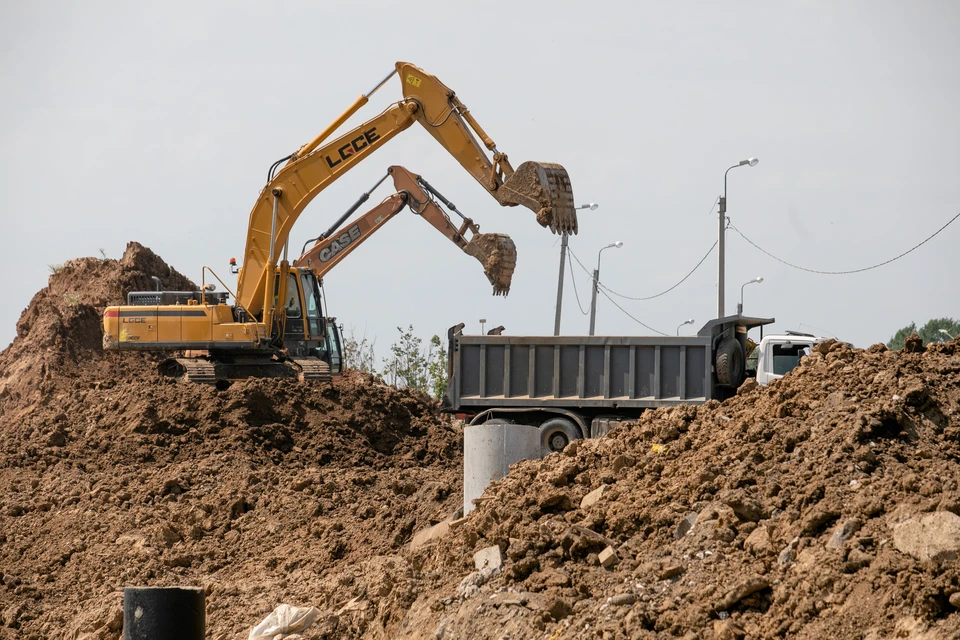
pixel 293 297
pixel 333 343
pixel 311 297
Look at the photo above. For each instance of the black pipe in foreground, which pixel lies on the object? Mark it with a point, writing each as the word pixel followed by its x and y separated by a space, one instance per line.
pixel 163 613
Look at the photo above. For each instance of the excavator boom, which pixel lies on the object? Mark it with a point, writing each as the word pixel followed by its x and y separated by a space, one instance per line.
pixel 542 187
pixel 495 251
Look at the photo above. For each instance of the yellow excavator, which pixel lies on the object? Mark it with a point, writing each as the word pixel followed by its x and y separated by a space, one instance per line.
pixel 257 336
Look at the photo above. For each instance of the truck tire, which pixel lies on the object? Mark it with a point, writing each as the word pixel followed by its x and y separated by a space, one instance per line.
pixel 557 433
pixel 730 364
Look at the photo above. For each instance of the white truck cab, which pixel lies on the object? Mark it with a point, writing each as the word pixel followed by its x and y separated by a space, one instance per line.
pixel 777 355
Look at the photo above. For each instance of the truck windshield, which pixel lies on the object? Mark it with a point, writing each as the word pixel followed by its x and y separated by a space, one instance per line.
pixel 786 357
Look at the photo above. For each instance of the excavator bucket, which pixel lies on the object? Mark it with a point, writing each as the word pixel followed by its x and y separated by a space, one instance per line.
pixel 498 255
pixel 545 189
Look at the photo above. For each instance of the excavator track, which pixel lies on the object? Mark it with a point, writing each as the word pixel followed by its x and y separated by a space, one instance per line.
pixel 193 370
pixel 204 371
pixel 313 370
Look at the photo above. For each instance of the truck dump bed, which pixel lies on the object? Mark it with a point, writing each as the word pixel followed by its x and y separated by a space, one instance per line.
pixel 600 372
pixel 577 371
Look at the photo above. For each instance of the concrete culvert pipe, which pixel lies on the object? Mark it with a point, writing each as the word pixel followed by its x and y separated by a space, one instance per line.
pixel 489 449
pixel 557 433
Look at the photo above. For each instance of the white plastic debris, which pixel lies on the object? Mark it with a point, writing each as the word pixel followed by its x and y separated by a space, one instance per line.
pixel 283 621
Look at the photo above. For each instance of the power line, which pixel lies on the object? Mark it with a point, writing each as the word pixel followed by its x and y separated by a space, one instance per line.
pixel 629 315
pixel 620 295
pixel 841 273
pixel 715 201
pixel 574 279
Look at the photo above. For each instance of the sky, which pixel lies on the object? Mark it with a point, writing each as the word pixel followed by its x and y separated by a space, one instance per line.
pixel 157 122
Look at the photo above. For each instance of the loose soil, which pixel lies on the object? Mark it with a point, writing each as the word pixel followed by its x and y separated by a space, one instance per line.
pixel 777 513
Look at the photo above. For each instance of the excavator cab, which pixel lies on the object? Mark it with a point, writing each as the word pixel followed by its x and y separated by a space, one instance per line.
pixel 307 333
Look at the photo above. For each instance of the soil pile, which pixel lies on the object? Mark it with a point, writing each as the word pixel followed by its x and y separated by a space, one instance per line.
pixel 265 492
pixel 824 505
pixel 59 334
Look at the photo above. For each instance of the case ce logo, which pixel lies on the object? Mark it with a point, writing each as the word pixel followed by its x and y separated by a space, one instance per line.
pixel 358 143
pixel 338 245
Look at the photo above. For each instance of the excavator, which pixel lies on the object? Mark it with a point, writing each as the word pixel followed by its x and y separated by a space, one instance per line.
pixel 495 251
pixel 255 336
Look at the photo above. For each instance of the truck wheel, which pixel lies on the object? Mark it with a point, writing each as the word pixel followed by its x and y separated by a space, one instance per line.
pixel 730 363
pixel 557 433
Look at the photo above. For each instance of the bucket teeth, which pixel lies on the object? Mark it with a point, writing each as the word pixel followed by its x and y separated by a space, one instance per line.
pixel 545 189
pixel 498 255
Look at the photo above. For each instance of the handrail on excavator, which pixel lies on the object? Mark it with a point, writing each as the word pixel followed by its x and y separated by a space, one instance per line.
pixel 203 294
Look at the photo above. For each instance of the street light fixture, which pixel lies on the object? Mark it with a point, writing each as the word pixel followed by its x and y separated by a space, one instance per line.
pixel 596 281
pixel 740 304
pixel 563 260
pixel 947 333
pixel 722 233
pixel 690 321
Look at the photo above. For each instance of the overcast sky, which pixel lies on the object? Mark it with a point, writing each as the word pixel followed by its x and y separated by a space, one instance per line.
pixel 157 123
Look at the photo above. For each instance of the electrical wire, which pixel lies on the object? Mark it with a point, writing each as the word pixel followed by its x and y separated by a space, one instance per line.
pixel 705 256
pixel 629 315
pixel 715 201
pixel 574 279
pixel 842 273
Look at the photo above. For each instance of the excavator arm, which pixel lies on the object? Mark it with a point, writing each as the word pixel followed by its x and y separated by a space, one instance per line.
pixel 496 252
pixel 542 187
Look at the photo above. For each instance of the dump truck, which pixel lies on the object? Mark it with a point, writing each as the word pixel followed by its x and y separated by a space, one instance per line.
pixel 573 387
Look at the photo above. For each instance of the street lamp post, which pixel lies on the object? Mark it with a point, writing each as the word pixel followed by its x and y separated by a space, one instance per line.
pixel 596 283
pixel 947 333
pixel 563 260
pixel 722 233
pixel 690 321
pixel 740 304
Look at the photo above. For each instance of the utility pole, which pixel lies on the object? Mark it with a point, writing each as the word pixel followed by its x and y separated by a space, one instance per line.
pixel 596 285
pixel 721 236
pixel 563 261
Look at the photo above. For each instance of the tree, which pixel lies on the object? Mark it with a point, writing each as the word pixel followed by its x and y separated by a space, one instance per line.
pixel 437 367
pixel 412 366
pixel 408 365
pixel 358 354
pixel 896 342
pixel 933 331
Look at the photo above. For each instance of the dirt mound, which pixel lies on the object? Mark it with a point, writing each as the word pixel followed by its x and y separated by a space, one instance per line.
pixel 823 505
pixel 59 334
pixel 826 504
pixel 111 476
